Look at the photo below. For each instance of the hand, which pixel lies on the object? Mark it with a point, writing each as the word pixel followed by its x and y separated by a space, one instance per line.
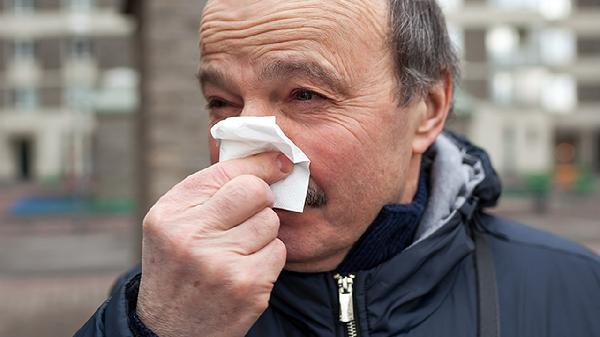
pixel 210 251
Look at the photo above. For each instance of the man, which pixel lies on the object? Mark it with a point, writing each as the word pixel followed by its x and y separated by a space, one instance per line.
pixel 393 240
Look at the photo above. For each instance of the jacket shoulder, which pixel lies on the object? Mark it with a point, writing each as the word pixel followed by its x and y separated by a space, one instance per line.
pixel 521 236
pixel 547 285
pixel 541 261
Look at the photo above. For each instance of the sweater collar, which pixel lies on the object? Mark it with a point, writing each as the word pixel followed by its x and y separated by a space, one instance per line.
pixel 392 231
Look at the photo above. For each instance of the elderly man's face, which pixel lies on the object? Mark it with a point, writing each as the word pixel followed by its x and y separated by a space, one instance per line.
pixel 325 70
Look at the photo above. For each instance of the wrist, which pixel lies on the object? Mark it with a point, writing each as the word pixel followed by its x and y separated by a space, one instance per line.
pixel 136 325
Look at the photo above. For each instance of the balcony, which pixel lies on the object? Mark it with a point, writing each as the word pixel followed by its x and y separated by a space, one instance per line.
pixel 99 22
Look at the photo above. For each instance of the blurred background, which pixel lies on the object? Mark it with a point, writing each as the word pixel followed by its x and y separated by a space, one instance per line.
pixel 100 114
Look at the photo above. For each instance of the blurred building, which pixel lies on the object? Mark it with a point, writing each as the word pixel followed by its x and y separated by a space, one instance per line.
pixel 172 121
pixel 531 89
pixel 67 90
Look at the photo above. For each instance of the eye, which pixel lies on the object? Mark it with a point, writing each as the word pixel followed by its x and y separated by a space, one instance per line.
pixel 216 103
pixel 305 95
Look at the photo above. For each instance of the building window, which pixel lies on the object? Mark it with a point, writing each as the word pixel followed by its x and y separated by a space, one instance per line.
pixel 25 99
pixel 78 98
pixel 560 93
pixel 23 6
pixel 457 36
pixel 81 48
pixel 557 46
pixel 79 5
pixel 515 4
pixel 502 44
pixel 528 85
pixel 502 88
pixel 24 50
pixel 513 45
pixel 555 9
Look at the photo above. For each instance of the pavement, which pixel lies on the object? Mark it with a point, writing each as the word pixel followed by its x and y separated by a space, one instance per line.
pixel 574 217
pixel 56 270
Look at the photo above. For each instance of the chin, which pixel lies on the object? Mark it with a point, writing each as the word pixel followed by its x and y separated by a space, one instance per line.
pixel 309 240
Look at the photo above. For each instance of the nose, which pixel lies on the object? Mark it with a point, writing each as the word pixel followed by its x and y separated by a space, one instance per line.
pixel 258 108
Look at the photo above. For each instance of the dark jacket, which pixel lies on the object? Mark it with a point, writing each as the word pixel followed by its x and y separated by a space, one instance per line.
pixel 546 286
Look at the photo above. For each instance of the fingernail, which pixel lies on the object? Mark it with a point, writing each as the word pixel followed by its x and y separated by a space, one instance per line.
pixel 284 164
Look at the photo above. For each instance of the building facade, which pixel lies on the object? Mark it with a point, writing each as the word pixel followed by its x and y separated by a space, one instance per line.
pixel 532 73
pixel 66 66
pixel 172 126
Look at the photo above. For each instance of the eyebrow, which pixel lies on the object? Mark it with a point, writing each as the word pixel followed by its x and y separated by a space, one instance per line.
pixel 278 70
pixel 208 74
pixel 283 69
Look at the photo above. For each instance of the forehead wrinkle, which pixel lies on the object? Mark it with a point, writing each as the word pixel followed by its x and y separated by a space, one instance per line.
pixel 234 24
pixel 283 69
pixel 224 36
pixel 235 28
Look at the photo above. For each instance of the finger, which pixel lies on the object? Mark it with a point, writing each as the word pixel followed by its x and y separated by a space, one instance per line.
pixel 198 187
pixel 255 233
pixel 235 202
pixel 269 166
pixel 269 261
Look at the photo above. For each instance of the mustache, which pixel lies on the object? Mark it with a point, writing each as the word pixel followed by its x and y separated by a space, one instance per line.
pixel 315 197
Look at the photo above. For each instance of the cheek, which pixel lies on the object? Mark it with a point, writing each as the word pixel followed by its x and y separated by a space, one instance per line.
pixel 339 162
pixel 358 164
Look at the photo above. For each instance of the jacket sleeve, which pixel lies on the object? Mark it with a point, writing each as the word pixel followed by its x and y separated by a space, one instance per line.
pixel 111 319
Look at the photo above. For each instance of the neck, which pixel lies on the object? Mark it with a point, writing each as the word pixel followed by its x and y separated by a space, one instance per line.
pixel 412 180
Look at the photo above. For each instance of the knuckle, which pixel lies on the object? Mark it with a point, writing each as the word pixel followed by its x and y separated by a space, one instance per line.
pixel 264 224
pixel 229 202
pixel 216 271
pixel 153 218
pixel 181 254
pixel 247 188
pixel 190 182
pixel 219 174
pixel 262 302
pixel 278 253
pixel 269 219
pixel 239 189
pixel 179 247
pixel 257 188
pixel 279 248
pixel 208 179
pixel 241 285
pixel 270 216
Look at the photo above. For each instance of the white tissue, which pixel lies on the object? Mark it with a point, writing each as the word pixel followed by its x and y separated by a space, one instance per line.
pixel 241 137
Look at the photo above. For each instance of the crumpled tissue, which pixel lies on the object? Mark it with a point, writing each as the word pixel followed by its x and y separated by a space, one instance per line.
pixel 241 137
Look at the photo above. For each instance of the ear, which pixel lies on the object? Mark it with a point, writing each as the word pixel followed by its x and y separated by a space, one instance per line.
pixel 432 120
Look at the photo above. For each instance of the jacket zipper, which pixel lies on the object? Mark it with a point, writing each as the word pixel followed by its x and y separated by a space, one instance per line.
pixel 344 284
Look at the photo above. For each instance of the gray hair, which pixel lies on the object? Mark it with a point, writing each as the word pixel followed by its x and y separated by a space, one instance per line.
pixel 421 46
